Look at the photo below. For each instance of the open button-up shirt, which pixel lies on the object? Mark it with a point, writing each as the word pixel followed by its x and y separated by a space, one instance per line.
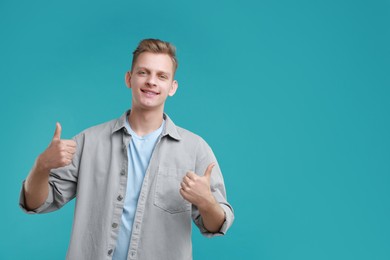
pixel 97 177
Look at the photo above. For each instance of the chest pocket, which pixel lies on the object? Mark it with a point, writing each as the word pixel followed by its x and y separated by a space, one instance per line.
pixel 167 195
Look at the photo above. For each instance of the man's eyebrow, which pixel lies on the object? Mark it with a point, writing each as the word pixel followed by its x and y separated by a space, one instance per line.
pixel 159 71
pixel 164 72
pixel 141 68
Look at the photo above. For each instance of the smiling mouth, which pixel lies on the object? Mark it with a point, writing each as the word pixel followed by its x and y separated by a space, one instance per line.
pixel 149 92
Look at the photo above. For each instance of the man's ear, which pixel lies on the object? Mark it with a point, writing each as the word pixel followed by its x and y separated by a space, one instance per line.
pixel 128 78
pixel 173 89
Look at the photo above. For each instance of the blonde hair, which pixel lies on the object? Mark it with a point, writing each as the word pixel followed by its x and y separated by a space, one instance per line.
pixel 156 46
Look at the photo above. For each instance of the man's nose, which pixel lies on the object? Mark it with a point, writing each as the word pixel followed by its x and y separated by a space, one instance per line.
pixel 151 80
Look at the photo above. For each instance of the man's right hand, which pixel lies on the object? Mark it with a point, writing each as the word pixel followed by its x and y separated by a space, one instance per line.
pixel 59 153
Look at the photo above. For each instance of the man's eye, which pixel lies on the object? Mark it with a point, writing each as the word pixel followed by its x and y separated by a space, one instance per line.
pixel 141 72
pixel 163 76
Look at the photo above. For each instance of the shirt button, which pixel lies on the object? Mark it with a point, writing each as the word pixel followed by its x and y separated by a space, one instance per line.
pixel 114 225
pixel 119 198
pixel 110 252
pixel 122 173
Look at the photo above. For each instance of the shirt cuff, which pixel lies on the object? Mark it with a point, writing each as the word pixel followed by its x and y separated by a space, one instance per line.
pixel 22 202
pixel 229 217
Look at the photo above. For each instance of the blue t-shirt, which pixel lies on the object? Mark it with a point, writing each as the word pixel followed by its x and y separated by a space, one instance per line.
pixel 138 154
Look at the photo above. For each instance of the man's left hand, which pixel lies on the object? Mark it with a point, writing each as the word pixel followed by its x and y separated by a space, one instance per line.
pixel 196 189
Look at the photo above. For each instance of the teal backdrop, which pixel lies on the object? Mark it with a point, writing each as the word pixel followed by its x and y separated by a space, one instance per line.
pixel 293 97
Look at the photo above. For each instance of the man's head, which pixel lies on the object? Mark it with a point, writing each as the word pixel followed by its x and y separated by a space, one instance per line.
pixel 151 78
pixel 158 47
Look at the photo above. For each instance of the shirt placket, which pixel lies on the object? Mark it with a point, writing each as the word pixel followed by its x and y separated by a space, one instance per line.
pixel 119 200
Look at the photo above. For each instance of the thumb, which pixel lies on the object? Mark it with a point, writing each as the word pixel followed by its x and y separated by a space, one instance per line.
pixel 57 133
pixel 209 170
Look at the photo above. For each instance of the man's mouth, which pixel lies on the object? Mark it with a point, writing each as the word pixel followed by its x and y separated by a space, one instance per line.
pixel 149 92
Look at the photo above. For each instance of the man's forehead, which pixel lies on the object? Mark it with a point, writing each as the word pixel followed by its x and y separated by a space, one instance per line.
pixel 154 61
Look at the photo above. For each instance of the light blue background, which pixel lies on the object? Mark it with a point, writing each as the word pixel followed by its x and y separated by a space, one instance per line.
pixel 293 96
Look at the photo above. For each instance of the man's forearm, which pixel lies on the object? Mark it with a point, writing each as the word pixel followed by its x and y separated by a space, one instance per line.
pixel 36 187
pixel 213 216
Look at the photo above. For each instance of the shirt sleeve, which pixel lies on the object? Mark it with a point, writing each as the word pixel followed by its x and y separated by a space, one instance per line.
pixel 206 156
pixel 62 184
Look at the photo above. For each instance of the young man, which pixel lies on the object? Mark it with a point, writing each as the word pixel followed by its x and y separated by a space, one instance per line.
pixel 138 180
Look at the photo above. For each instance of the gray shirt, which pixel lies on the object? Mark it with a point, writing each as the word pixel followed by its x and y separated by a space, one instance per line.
pixel 97 177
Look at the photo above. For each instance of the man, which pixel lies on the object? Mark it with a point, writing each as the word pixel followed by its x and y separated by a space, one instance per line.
pixel 138 180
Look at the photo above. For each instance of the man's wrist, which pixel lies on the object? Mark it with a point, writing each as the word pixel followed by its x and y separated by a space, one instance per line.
pixel 208 204
pixel 41 166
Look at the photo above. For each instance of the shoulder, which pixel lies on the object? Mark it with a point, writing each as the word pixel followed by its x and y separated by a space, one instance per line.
pixel 187 134
pixel 179 133
pixel 98 131
pixel 190 138
pixel 102 128
pixel 196 146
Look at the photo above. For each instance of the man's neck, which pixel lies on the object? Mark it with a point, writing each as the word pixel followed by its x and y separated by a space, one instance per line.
pixel 144 122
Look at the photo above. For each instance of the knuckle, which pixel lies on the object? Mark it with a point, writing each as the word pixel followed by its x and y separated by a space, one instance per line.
pixel 63 161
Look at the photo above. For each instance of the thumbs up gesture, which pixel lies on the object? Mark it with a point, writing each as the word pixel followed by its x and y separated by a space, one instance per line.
pixel 196 189
pixel 59 153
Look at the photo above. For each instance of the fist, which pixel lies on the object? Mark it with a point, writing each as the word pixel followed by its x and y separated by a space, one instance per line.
pixel 59 153
pixel 196 189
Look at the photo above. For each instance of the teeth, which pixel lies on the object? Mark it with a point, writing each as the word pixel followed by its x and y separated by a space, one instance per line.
pixel 148 92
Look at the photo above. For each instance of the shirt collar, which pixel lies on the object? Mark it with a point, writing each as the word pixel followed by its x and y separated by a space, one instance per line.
pixel 169 129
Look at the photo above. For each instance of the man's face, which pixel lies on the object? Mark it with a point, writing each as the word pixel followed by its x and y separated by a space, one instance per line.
pixel 151 81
